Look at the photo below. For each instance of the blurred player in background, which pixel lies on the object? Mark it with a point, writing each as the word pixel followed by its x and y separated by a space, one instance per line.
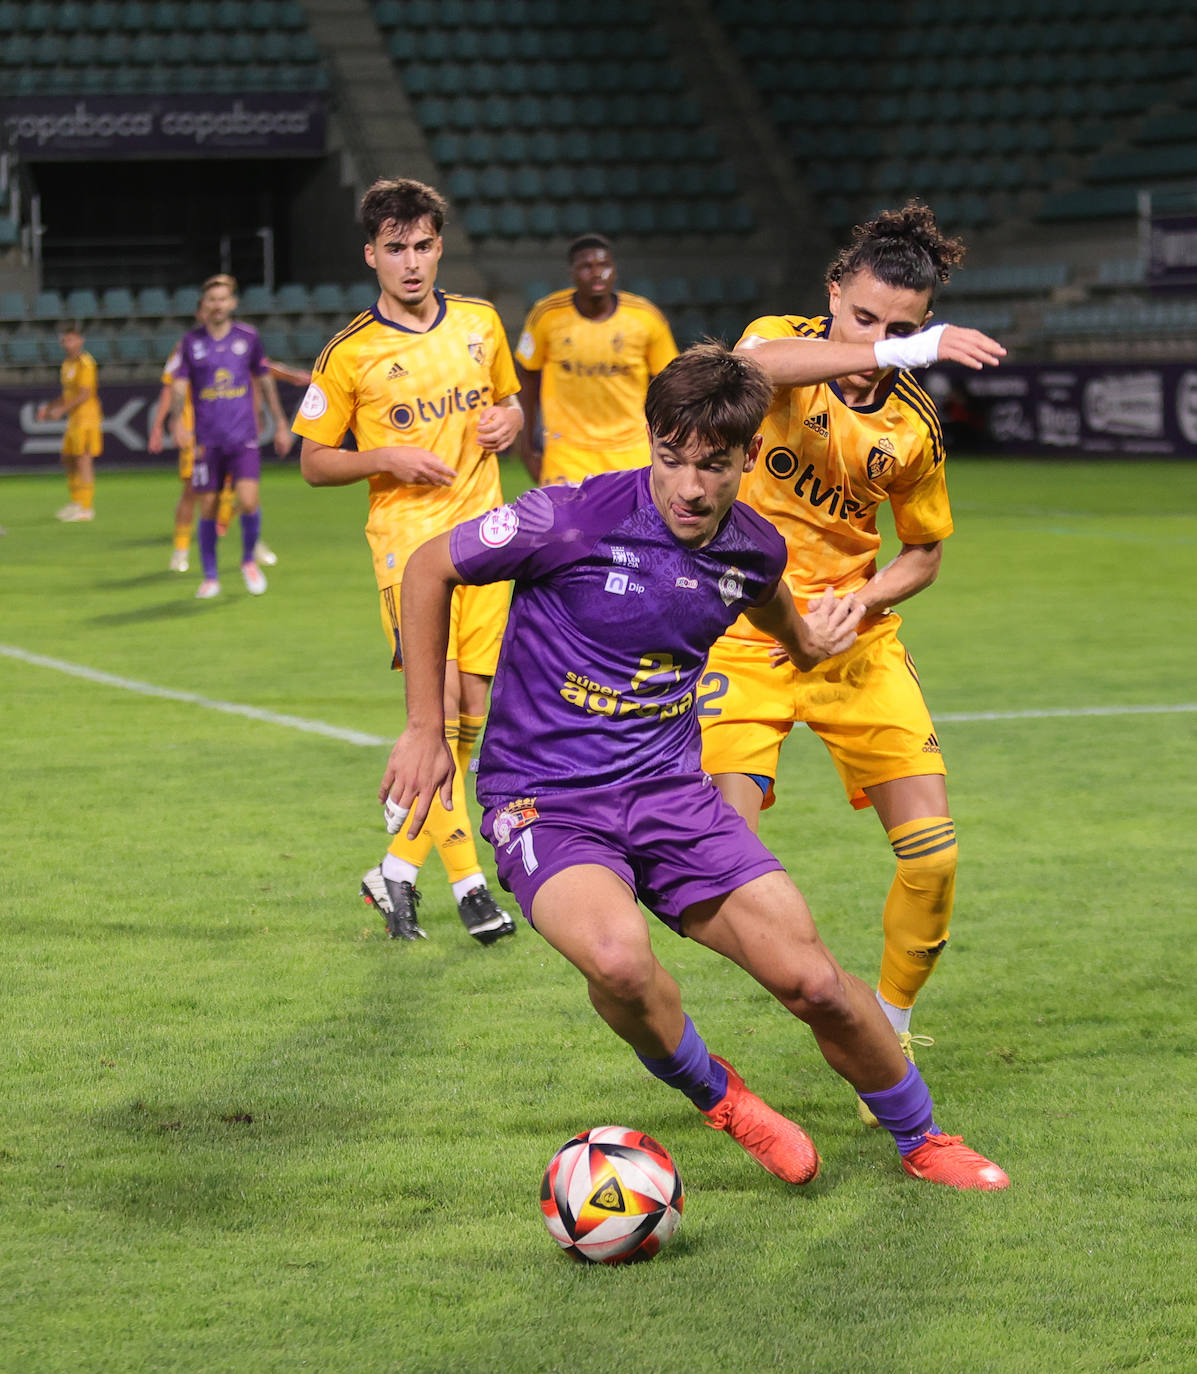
pixel 222 367
pixel 425 382
pixel 850 428
pixel 585 358
pixel 82 440
pixel 185 509
pixel 591 773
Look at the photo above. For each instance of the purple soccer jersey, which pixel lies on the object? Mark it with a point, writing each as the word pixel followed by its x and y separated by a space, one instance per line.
pixel 610 624
pixel 221 373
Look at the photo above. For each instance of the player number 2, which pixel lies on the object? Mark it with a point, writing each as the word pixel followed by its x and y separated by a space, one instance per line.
pixel 716 685
pixel 523 842
pixel 201 474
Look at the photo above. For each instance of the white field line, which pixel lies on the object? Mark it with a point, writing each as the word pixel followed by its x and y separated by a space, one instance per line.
pixel 232 708
pixel 319 727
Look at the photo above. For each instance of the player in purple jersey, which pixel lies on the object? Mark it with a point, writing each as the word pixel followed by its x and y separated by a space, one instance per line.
pixel 590 769
pixel 223 361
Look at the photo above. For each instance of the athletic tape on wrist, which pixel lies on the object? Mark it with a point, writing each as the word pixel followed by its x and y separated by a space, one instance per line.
pixel 912 350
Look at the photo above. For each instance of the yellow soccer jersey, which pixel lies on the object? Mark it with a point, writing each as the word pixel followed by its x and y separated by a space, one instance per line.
pixel 825 468
pixel 187 414
pixel 595 373
pixel 79 375
pixel 392 386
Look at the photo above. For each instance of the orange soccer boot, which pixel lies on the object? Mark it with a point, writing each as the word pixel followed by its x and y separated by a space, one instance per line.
pixel 774 1141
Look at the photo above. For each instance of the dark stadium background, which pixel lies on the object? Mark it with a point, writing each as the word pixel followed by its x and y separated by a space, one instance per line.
pixel 726 147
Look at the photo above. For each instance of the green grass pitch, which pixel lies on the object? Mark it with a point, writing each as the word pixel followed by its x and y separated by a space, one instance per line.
pixel 242 1132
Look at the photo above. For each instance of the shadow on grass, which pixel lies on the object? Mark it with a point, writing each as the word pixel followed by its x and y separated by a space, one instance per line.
pixel 156 541
pixel 165 610
pixel 160 577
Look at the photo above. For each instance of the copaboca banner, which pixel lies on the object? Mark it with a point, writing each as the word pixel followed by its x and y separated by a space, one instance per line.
pixel 71 127
pixel 1082 408
pixel 28 444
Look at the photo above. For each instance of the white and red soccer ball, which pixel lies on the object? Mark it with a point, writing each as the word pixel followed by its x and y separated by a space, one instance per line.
pixel 611 1195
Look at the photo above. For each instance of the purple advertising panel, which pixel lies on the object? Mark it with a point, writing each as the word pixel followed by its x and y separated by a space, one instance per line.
pixel 28 444
pixel 1081 408
pixel 70 127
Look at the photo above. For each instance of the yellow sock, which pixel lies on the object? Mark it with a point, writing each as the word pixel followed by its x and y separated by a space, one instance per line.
pixel 73 488
pixel 224 507
pixel 414 851
pixel 453 834
pixel 469 728
pixel 183 537
pixel 85 494
pixel 919 906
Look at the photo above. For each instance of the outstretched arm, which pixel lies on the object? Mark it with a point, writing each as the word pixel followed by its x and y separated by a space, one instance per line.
pixel 805 362
pixel 829 627
pixel 421 763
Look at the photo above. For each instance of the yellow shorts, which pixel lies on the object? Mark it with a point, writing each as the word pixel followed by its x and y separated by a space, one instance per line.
pixel 186 462
pixel 81 441
pixel 477 619
pixel 865 705
pixel 566 462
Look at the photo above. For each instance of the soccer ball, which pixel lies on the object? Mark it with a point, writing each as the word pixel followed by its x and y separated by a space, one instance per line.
pixel 611 1195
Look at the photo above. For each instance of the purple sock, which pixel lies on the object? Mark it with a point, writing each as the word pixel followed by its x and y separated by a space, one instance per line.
pixel 251 527
pixel 691 1070
pixel 207 547
pixel 905 1110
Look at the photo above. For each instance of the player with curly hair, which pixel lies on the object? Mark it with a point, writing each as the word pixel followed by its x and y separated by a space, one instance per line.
pixel 850 428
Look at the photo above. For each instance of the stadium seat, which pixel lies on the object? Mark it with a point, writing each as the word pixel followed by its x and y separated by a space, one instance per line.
pixel 361 295
pixel 23 351
pixel 256 299
pixel 153 301
pixel 13 305
pixel 82 304
pixel 328 298
pixel 49 305
pixel 166 16
pixel 100 348
pixel 307 343
pixel 543 220
pixel 100 16
pixel 276 342
pixel 36 16
pixel 133 349
pixel 116 303
pixel 291 298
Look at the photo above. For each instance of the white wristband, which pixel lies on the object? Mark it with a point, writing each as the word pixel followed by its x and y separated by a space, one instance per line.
pixel 395 815
pixel 911 350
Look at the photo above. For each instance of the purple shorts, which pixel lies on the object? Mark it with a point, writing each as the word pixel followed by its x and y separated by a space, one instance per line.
pixel 674 841
pixel 242 462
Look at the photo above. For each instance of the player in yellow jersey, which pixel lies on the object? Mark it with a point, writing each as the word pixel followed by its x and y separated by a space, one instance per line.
pixel 585 358
pixel 850 428
pixel 425 382
pixel 82 440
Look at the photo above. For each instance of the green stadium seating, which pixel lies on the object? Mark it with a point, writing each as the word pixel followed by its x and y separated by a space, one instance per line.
pixel 82 304
pixel 117 303
pixel 291 298
pixel 133 349
pixel 328 298
pixel 23 351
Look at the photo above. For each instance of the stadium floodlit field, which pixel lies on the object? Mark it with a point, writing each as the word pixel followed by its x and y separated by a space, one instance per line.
pixel 242 1131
